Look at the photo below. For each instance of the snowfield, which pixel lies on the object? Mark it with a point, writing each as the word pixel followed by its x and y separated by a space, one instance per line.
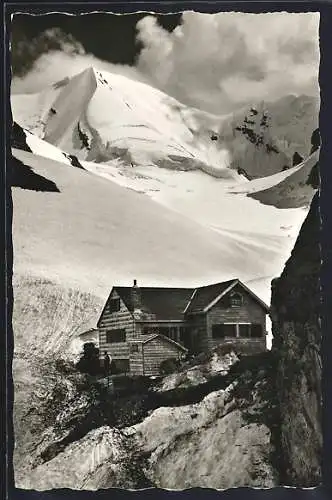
pixel 157 201
pixel 95 232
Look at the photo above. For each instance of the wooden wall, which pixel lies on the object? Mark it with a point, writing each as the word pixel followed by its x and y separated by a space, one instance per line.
pixel 154 352
pixel 222 312
pixel 114 321
pixel 197 325
pixel 136 360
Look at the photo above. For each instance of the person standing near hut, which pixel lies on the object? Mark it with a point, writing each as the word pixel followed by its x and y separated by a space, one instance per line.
pixel 107 363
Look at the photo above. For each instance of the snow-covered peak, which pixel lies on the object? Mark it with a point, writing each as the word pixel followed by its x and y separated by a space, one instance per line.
pixel 99 116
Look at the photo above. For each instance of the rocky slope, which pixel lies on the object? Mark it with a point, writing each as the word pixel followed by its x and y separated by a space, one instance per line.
pixel 48 316
pixel 74 446
pixel 295 191
pixel 297 337
pixel 222 441
pixel 263 138
pixel 214 434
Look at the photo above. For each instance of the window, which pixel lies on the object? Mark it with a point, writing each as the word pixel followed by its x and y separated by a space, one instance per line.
pixel 115 336
pixel 173 333
pixel 184 332
pixel 164 330
pixel 230 330
pixel 133 348
pixel 256 331
pixel 168 331
pixel 236 300
pixel 223 330
pixel 114 305
pixel 244 331
pixel 149 330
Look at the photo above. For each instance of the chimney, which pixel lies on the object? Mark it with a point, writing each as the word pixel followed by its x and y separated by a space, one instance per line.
pixel 136 296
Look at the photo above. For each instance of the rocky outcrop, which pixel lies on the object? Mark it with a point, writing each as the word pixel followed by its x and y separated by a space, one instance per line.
pixel 297 159
pixel 295 313
pixel 264 138
pixel 254 148
pixel 314 176
pixel 210 444
pixel 19 138
pixel 294 191
pixel 23 176
pixel 216 363
pixel 217 437
pixel 75 447
pixel 48 316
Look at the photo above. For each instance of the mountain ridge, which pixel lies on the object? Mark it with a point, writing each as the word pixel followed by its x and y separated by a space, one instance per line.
pixel 115 117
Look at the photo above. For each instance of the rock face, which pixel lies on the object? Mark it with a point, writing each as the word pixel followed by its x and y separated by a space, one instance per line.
pixel 263 139
pixel 296 190
pixel 19 138
pixel 295 310
pixel 23 176
pixel 74 435
pixel 209 444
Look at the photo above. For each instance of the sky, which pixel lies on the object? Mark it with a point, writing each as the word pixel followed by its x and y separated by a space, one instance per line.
pixel 215 62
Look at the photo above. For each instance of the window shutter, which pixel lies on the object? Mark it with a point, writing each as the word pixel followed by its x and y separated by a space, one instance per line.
pixel 223 330
pixel 218 331
pixel 230 330
pixel 244 331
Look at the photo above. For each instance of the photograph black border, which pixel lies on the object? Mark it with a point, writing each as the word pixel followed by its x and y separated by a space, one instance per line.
pixel 325 123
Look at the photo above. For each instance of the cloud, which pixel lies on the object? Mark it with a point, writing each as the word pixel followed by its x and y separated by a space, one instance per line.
pixel 52 56
pixel 54 66
pixel 223 60
pixel 215 62
pixel 25 51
